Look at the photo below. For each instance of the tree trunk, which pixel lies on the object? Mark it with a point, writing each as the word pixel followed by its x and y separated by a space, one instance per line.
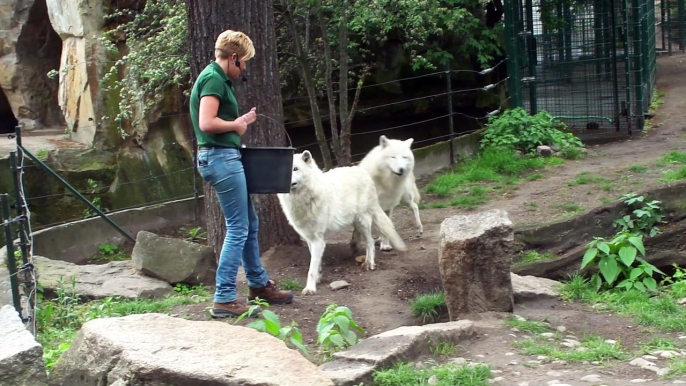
pixel 206 20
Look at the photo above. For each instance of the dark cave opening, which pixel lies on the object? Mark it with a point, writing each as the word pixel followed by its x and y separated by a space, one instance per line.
pixel 39 49
pixel 7 119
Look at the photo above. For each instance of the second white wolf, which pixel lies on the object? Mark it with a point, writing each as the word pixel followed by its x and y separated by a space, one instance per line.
pixel 391 166
pixel 322 203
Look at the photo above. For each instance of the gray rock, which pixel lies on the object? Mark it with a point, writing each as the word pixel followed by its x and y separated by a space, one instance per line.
pixel 475 257
pixel 21 357
pixel 136 349
pixel 174 260
pixel 355 365
pixel 544 151
pixel 533 288
pixel 592 378
pixel 116 278
pixel 338 285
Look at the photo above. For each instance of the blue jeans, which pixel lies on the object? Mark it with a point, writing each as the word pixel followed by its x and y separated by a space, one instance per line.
pixel 224 170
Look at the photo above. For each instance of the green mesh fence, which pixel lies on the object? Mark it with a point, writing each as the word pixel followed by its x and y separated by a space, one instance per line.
pixel 589 63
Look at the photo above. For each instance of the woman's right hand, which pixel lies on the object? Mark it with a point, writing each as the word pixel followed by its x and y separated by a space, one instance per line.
pixel 246 119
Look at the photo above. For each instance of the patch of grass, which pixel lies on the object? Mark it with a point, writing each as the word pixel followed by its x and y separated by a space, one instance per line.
pixel 573 153
pixel 531 256
pixel 471 199
pixel 532 206
pixel 638 169
pixel 675 175
pixel 428 306
pixel 605 200
pixel 570 209
pixel 606 187
pixel 658 343
pixel 442 349
pixel 291 285
pixel 676 368
pixel 493 165
pixel 586 178
pixel 59 320
pixel 660 310
pixel 406 374
pixel 674 157
pixel 535 176
pixel 531 326
pixel 595 349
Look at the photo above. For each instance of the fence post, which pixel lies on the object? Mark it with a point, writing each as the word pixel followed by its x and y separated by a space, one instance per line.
pixel 451 130
pixel 19 205
pixel 11 262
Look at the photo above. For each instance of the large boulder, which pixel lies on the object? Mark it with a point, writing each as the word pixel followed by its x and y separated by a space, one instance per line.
pixel 174 260
pixel 155 349
pixel 116 278
pixel 475 256
pixel 21 357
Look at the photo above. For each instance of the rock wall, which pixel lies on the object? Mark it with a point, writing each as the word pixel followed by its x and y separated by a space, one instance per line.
pixel 29 49
pixel 78 23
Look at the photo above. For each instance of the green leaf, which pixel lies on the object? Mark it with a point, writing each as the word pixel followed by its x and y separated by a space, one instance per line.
pixel 596 281
pixel 342 322
pixel 626 283
pixel 638 243
pixel 650 283
pixel 298 343
pixel 635 273
pixel 609 268
pixel 272 327
pixel 603 247
pixel 627 255
pixel 271 316
pixel 258 325
pixel 337 340
pixel 639 286
pixel 588 257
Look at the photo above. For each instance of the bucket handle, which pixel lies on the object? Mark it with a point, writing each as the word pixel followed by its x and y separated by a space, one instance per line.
pixel 281 125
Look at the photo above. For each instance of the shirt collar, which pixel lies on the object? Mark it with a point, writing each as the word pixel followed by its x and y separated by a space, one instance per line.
pixel 218 69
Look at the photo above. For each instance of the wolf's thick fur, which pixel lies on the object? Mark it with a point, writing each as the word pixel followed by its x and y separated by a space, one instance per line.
pixel 320 204
pixel 391 165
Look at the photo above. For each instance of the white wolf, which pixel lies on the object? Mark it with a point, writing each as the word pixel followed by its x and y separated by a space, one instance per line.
pixel 391 165
pixel 320 204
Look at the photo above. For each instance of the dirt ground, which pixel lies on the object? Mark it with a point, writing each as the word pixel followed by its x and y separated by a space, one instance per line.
pixel 380 299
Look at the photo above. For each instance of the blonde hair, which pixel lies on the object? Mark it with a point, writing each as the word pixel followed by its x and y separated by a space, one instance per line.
pixel 234 42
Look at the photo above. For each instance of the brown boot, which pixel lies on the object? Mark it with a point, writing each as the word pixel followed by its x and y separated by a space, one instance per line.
pixel 233 309
pixel 271 294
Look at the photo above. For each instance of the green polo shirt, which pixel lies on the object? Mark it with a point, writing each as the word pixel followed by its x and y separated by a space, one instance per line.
pixel 213 81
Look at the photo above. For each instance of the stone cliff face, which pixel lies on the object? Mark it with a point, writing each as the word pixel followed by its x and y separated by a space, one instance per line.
pixel 51 66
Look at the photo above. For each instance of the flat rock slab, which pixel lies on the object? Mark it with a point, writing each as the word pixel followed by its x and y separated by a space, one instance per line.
pixel 141 350
pixel 406 343
pixel 21 357
pixel 116 278
pixel 533 288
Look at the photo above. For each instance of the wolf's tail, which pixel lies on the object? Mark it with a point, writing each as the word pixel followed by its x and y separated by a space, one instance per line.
pixel 384 225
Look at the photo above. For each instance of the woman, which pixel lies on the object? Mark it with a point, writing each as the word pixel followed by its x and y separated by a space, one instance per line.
pixel 218 129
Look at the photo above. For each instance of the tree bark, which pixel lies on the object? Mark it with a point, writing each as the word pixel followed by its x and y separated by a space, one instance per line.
pixel 206 20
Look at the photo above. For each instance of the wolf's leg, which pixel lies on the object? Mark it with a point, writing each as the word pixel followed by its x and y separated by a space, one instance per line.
pixel 385 243
pixel 313 275
pixel 408 198
pixel 365 224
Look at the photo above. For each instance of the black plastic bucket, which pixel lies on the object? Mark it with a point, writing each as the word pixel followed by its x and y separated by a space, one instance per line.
pixel 268 170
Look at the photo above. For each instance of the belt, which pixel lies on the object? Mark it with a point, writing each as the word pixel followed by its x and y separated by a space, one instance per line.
pixel 214 147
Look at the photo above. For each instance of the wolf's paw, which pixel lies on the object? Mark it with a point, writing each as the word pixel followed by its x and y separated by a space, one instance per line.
pixel 369 266
pixel 386 247
pixel 309 291
pixel 420 231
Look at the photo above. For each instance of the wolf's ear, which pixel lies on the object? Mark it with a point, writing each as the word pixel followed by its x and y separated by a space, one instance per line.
pixel 409 141
pixel 306 157
pixel 383 141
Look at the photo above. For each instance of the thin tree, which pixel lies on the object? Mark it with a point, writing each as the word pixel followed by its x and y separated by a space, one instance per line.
pixel 206 20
